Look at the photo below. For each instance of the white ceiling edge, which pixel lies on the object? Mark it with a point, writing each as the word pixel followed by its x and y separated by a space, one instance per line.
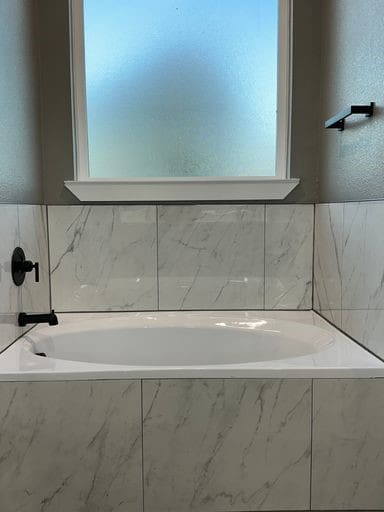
pixel 186 189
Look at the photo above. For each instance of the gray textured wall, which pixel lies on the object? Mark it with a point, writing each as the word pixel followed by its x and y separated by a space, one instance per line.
pixel 20 145
pixel 56 106
pixel 338 60
pixel 306 75
pixel 352 162
pixel 56 100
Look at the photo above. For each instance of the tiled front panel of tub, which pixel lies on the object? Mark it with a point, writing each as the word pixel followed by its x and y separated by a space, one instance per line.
pixel 70 447
pixel 349 268
pixel 226 445
pixel 181 257
pixel 23 226
pixel 217 445
pixel 348 444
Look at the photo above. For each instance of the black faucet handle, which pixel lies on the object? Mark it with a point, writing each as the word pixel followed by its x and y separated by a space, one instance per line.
pixel 37 271
pixel 28 266
pixel 20 266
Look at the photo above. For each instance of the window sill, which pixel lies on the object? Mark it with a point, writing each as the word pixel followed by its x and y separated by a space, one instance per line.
pixel 186 189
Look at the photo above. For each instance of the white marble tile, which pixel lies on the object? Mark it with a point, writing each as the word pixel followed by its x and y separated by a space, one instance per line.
pixel 363 274
pixel 34 241
pixel 328 261
pixel 367 327
pixel 229 445
pixel 211 257
pixel 70 446
pixel 9 330
pixel 363 256
pixel 288 256
pixel 348 445
pixel 10 295
pixel 103 257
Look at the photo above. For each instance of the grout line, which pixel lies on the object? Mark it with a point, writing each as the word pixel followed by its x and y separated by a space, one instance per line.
pixel 18 244
pixel 197 310
pixel 342 265
pixel 49 259
pixel 313 256
pixel 311 453
pixel 157 259
pixel 349 201
pixel 265 255
pixel 142 443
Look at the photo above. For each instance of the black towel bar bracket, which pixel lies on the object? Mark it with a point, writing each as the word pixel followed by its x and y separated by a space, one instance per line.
pixel 338 121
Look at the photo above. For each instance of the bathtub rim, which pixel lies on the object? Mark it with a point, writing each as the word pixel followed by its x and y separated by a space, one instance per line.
pixel 356 362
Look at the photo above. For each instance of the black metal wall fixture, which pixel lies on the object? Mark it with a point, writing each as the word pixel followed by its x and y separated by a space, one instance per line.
pixel 338 121
pixel 20 266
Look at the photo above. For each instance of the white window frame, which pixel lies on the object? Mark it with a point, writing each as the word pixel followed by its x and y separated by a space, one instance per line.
pixel 180 188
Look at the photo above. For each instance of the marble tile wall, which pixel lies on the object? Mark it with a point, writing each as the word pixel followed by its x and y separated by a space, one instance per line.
pixel 211 257
pixel 103 258
pixel 192 445
pixel 181 257
pixel 328 261
pixel 348 444
pixel 230 445
pixel 349 269
pixel 25 226
pixel 288 256
pixel 70 446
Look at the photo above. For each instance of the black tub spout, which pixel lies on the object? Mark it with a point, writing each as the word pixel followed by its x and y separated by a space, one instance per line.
pixel 45 318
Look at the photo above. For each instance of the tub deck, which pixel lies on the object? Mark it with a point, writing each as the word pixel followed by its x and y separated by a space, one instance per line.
pixel 343 358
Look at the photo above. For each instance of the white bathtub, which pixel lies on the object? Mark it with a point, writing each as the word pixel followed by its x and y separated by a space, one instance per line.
pixel 187 345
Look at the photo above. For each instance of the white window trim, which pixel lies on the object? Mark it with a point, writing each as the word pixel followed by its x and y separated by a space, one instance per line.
pixel 181 189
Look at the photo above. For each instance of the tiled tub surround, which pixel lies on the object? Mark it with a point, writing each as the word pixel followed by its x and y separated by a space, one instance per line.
pixel 120 258
pixel 10 296
pixel 24 226
pixel 34 241
pixel 70 447
pixel 348 270
pixel 348 444
pixel 328 261
pixel 211 257
pixel 226 445
pixel 288 256
pixel 103 257
pixel 192 445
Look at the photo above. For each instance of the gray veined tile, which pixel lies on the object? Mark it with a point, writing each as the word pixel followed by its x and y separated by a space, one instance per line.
pixel 363 274
pixel 363 256
pixel 226 445
pixel 9 329
pixel 70 447
pixel 211 257
pixel 288 256
pixel 34 241
pixel 328 261
pixel 367 327
pixel 10 295
pixel 103 257
pixel 348 444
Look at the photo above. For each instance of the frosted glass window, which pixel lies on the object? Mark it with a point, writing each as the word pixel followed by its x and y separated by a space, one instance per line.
pixel 181 87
